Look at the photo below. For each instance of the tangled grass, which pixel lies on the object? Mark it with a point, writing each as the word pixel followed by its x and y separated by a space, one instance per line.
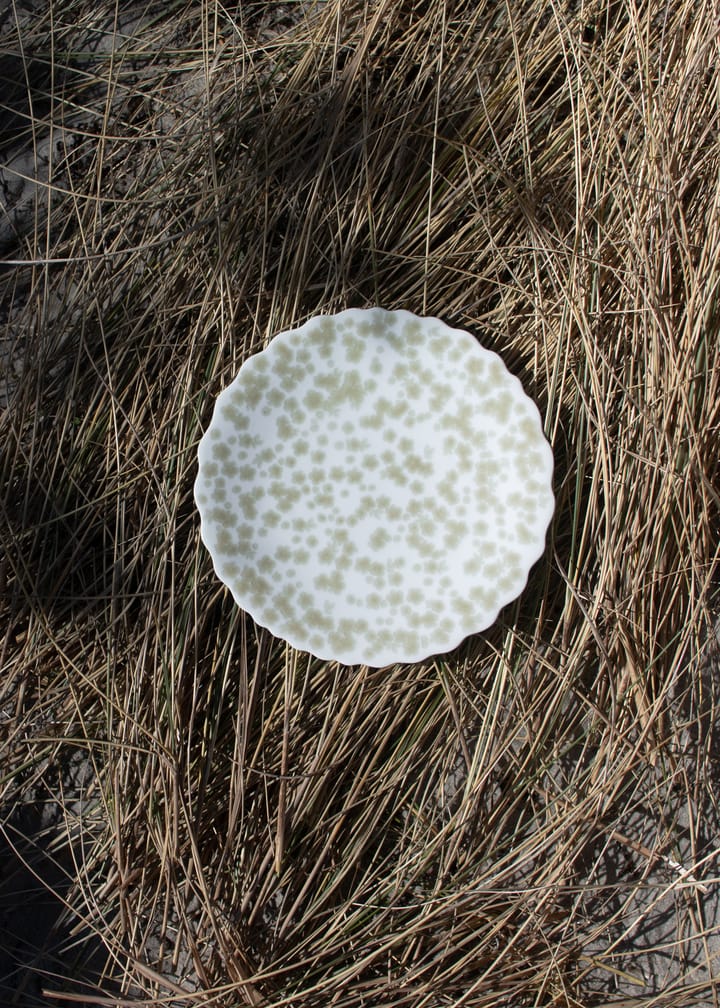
pixel 529 820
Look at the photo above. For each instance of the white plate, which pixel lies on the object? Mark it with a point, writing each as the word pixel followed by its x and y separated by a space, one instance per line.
pixel 374 487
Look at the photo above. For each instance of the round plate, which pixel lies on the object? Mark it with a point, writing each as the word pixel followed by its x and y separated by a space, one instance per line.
pixel 374 487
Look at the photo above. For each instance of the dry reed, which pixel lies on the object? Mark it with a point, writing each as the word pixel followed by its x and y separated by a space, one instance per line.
pixel 503 825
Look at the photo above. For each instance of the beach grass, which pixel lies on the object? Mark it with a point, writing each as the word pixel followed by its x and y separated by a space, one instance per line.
pixel 529 820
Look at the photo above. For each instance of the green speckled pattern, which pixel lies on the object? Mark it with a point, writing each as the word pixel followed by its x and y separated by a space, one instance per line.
pixel 374 486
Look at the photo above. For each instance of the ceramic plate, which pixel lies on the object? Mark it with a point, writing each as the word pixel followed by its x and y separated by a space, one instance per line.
pixel 374 487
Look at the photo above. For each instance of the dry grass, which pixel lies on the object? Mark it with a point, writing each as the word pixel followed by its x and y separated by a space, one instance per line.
pixel 504 825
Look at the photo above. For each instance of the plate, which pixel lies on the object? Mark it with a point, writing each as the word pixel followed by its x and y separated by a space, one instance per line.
pixel 374 487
